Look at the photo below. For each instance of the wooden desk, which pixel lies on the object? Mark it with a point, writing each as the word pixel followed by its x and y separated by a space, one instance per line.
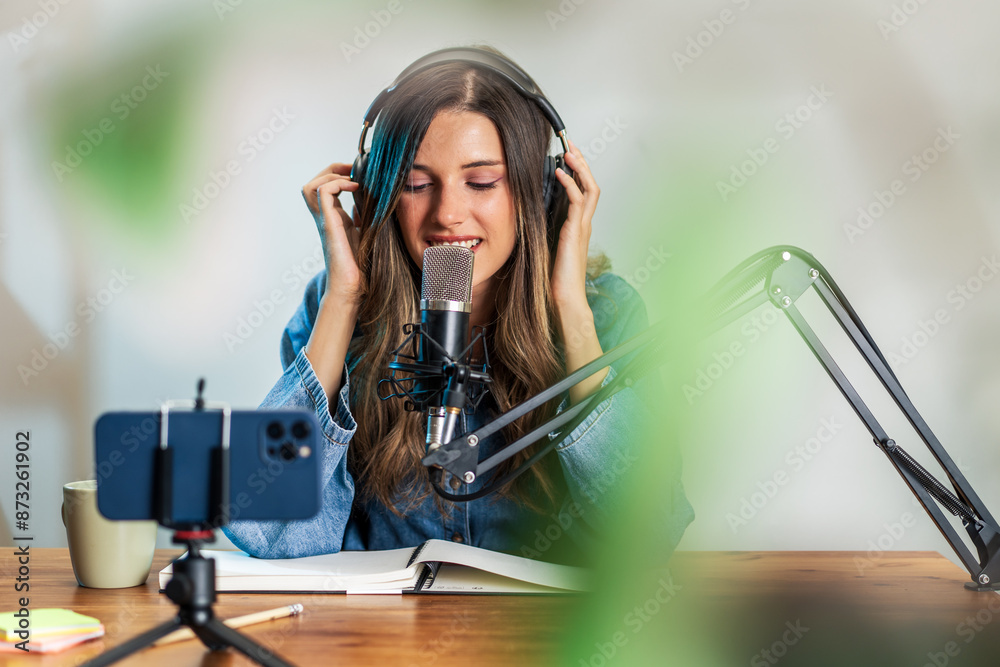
pixel 729 607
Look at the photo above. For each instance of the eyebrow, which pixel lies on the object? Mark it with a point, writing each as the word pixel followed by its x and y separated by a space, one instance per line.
pixel 470 165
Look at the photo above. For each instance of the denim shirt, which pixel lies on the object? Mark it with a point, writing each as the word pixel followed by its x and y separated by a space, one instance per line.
pixel 592 459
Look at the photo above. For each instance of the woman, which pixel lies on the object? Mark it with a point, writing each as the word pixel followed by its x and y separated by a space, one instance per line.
pixel 457 157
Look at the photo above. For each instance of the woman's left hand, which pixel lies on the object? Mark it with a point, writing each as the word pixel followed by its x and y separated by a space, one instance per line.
pixel 570 269
pixel 569 275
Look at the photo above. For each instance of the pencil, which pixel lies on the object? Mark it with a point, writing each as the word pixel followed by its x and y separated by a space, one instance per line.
pixel 238 622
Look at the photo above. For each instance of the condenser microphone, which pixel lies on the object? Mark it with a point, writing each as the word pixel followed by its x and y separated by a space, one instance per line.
pixel 445 307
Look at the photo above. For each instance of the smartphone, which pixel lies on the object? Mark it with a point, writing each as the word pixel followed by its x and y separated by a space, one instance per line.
pixel 273 465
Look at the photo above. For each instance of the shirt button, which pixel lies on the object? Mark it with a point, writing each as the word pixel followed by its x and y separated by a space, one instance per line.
pixel 457 537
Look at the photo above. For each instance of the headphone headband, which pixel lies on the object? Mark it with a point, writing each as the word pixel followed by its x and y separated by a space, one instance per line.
pixel 471 55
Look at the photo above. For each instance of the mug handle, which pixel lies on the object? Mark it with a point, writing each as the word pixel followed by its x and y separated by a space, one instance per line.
pixel 62 511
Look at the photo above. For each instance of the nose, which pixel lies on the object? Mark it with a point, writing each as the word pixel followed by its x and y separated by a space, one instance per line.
pixel 452 205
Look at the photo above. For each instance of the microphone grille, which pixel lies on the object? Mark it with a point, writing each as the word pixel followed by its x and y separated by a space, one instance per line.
pixel 447 274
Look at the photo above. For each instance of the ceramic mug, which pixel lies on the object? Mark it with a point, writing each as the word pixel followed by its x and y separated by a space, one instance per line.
pixel 105 554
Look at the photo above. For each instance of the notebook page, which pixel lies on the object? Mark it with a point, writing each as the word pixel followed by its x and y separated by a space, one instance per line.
pixel 515 567
pixel 347 569
pixel 462 579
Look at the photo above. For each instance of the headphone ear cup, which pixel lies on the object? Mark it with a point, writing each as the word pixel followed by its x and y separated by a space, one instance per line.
pixel 556 199
pixel 358 168
pixel 357 175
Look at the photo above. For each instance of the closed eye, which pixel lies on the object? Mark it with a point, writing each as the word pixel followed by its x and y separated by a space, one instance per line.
pixel 475 185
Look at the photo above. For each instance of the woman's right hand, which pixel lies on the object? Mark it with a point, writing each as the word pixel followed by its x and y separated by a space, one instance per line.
pixel 338 231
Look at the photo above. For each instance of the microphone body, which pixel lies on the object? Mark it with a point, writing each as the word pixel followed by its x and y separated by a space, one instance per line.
pixel 445 309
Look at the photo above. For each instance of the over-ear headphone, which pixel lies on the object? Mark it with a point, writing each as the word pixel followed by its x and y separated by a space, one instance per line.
pixel 556 200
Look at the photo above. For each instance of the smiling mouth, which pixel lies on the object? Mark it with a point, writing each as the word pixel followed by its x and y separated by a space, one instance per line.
pixel 471 243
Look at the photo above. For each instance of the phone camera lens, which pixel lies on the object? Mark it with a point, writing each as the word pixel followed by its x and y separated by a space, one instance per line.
pixel 300 430
pixel 275 430
pixel 288 451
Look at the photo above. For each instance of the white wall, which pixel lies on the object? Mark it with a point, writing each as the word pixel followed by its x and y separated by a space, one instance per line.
pixel 675 129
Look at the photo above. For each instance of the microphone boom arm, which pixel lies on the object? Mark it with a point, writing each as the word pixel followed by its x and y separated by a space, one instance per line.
pixel 784 283
pixel 460 456
pixel 786 273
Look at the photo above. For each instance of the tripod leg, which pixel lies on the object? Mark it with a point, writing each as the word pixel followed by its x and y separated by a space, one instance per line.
pixel 208 638
pixel 224 634
pixel 135 644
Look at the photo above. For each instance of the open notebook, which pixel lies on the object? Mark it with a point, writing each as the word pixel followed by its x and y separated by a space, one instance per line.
pixel 436 566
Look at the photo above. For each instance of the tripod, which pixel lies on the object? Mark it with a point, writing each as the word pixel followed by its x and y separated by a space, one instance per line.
pixel 193 589
pixel 192 586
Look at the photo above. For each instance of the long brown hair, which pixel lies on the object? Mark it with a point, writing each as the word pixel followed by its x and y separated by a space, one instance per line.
pixel 388 444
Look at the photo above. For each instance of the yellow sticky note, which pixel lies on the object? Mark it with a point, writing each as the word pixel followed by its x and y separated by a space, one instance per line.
pixel 44 622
